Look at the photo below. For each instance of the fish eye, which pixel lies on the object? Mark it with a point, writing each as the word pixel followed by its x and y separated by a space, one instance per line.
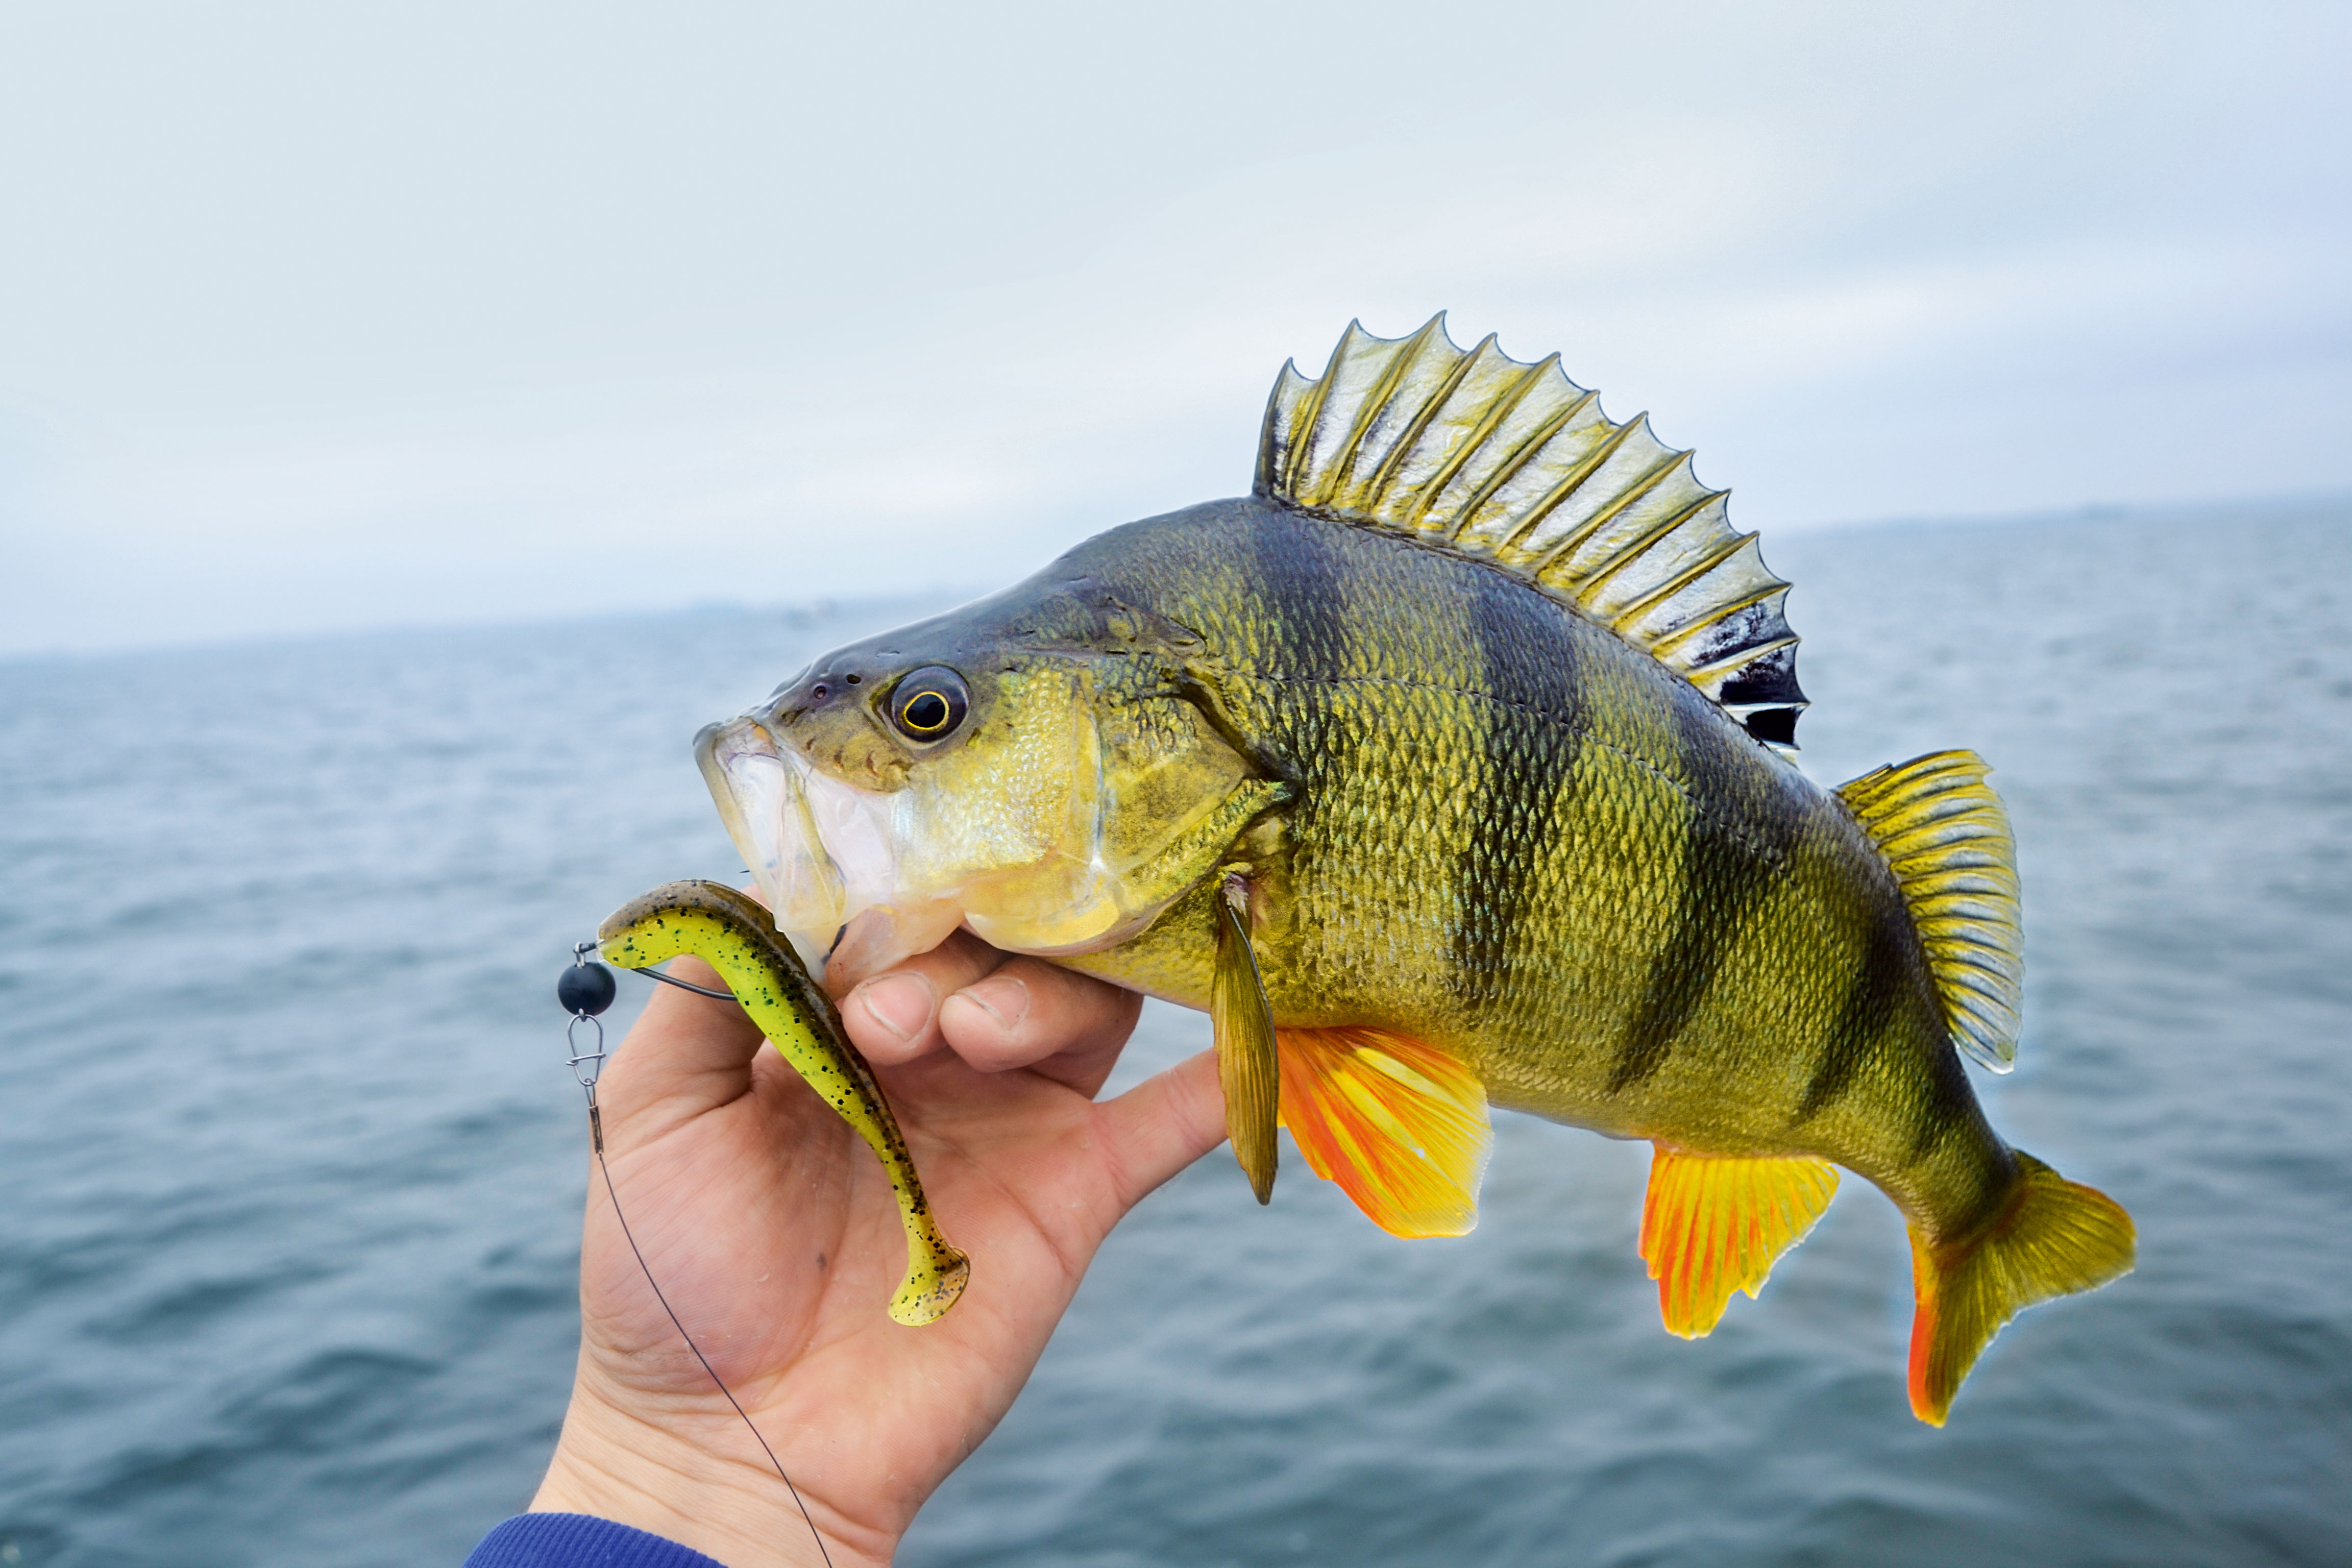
pixel 928 703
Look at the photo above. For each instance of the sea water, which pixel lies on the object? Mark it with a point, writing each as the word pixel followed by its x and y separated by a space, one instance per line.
pixel 291 1170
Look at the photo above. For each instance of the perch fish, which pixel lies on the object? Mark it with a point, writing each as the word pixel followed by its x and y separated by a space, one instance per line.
pixel 1452 767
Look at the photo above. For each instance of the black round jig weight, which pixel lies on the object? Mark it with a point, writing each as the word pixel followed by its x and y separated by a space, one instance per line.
pixel 585 989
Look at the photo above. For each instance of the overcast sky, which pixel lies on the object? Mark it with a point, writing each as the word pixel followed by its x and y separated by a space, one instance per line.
pixel 320 316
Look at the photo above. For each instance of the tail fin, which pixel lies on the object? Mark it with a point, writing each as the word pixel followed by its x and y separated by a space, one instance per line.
pixel 2057 1237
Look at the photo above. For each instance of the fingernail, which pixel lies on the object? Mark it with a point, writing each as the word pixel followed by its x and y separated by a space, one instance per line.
pixel 1004 997
pixel 899 1004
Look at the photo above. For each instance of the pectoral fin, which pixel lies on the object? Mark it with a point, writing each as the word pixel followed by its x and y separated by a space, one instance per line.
pixel 1244 1031
pixel 1400 1125
pixel 1712 1225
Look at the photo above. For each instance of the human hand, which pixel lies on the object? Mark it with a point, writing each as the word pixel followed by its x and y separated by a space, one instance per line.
pixel 774 1234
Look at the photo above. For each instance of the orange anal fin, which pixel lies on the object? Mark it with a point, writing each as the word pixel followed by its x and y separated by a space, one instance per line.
pixel 1712 1225
pixel 1400 1125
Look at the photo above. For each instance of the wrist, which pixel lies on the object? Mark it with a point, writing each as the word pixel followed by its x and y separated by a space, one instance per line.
pixel 724 1503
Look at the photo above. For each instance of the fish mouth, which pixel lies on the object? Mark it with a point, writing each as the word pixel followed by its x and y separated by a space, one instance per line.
pixel 822 853
pixel 753 787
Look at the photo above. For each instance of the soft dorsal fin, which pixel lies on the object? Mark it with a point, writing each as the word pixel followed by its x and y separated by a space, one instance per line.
pixel 1946 837
pixel 1517 464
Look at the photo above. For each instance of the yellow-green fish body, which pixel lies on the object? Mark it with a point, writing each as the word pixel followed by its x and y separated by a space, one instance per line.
pixel 1450 766
pixel 1517 838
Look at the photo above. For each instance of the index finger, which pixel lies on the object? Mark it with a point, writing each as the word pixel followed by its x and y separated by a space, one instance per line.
pixel 894 1016
pixel 1029 1013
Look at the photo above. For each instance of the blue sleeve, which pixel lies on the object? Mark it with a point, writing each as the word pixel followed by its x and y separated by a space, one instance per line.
pixel 576 1540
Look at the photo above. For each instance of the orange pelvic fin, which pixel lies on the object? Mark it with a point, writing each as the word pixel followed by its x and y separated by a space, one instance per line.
pixel 2056 1238
pixel 1400 1125
pixel 1712 1225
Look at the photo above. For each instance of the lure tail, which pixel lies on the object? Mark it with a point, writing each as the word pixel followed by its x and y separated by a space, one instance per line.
pixel 2055 1239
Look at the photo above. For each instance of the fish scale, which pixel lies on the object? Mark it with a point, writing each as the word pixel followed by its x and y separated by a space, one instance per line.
pixel 1543 1000
pixel 1452 766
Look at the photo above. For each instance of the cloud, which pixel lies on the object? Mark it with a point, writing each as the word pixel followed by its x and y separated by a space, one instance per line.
pixel 514 311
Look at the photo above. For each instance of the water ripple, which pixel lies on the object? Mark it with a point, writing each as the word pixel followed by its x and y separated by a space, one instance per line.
pixel 289 1275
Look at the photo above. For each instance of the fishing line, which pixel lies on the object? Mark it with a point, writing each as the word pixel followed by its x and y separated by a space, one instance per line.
pixel 585 990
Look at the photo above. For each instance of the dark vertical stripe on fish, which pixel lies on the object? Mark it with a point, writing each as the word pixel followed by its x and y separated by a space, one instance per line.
pixel 1723 881
pixel 1295 576
pixel 1948 1105
pixel 1531 734
pixel 1291 588
pixel 1872 994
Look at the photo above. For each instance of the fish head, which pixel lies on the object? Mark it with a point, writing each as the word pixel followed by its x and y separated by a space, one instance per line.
pixel 1028 771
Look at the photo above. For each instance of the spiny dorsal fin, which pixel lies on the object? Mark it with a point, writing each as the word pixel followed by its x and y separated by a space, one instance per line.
pixel 1946 837
pixel 1517 464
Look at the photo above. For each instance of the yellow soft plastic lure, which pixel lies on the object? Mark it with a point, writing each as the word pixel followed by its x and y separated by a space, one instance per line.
pixel 733 935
